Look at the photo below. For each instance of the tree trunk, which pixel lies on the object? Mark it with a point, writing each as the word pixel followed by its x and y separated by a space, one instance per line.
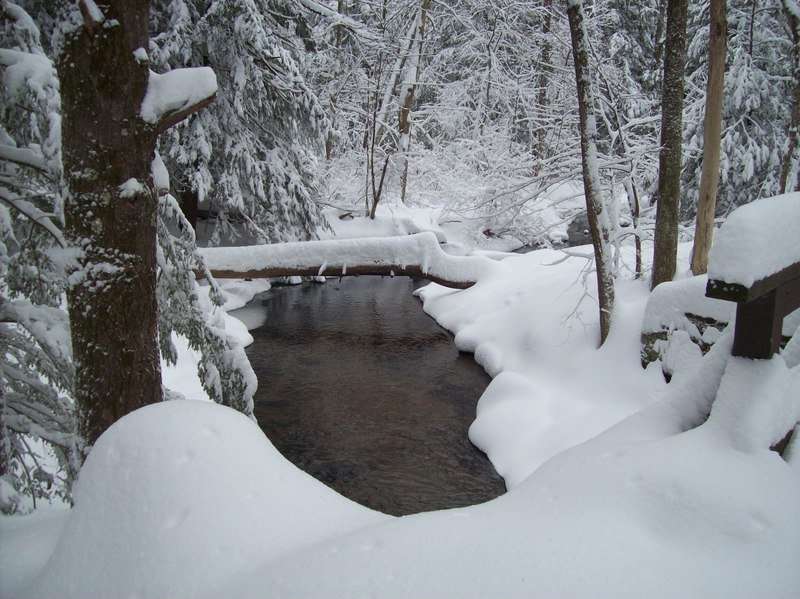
pixel 668 194
pixel 541 92
pixel 595 210
pixel 659 42
pixel 794 124
pixel 712 138
pixel 404 117
pixel 112 302
pixel 110 211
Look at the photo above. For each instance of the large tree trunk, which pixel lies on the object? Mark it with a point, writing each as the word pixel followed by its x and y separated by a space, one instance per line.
pixel 110 211
pixel 112 301
pixel 669 159
pixel 595 210
pixel 712 137
pixel 794 124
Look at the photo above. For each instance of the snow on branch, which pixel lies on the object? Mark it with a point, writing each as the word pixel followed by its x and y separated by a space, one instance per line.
pixel 32 213
pixel 339 19
pixel 92 15
pixel 173 96
pixel 23 157
pixel 413 255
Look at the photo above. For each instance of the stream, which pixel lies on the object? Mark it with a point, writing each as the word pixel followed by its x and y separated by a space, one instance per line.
pixel 365 392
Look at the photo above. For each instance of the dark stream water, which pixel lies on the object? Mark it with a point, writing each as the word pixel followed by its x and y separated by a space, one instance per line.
pixel 362 390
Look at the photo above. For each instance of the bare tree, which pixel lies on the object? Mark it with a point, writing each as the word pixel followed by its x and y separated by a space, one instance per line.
pixel 599 224
pixel 111 205
pixel 669 160
pixel 712 137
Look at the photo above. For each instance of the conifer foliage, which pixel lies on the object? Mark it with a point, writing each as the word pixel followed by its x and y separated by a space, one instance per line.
pixel 250 158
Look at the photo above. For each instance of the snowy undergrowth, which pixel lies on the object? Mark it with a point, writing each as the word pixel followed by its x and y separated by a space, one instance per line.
pixel 189 499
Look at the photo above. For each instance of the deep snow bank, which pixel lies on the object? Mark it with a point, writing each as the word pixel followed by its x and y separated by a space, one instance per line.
pixel 182 495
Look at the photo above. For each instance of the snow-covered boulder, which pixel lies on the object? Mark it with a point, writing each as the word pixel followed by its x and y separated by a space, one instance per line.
pixel 682 307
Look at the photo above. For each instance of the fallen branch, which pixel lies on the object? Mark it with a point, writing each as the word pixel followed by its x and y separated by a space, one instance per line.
pixel 416 255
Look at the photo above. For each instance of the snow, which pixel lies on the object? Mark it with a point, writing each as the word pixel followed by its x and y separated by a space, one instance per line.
pixel 131 188
pixel 94 13
pixel 419 249
pixel 177 497
pixel 140 54
pixel 27 542
pixel 160 174
pixel 757 240
pixel 619 484
pixel 176 90
pixel 552 389
pixel 671 301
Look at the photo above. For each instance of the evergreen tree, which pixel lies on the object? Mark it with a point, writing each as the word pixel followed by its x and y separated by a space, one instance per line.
pixel 756 107
pixel 37 416
pixel 251 157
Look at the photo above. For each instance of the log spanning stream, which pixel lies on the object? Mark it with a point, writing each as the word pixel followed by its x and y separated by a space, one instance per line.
pixel 364 391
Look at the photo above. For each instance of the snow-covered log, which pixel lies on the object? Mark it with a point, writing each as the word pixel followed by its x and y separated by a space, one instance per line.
pixel 414 255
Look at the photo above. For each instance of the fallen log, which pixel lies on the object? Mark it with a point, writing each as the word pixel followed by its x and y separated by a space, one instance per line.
pixel 416 255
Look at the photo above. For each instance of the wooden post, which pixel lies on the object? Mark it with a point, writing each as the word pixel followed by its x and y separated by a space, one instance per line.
pixel 760 310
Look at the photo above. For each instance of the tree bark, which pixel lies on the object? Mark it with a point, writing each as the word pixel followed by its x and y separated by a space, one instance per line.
pixel 595 210
pixel 110 212
pixel 712 137
pixel 669 159
pixel 112 302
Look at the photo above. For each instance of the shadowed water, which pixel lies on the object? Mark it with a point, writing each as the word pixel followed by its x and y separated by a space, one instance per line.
pixel 362 390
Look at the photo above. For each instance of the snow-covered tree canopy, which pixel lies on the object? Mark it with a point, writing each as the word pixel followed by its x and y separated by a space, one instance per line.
pixel 250 158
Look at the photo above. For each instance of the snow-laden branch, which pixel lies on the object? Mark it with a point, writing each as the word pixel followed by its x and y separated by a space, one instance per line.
pixel 416 255
pixel 339 19
pixel 23 157
pixel 173 96
pixel 32 213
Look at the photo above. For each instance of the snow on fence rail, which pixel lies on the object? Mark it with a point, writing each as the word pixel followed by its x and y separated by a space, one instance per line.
pixel 416 255
pixel 755 262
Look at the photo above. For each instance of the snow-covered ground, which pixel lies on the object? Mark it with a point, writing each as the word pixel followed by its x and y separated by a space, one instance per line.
pixel 619 486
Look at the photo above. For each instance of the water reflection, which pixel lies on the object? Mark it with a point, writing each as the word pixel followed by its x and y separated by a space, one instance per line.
pixel 358 387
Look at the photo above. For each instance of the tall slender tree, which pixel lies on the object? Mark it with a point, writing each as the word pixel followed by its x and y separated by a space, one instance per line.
pixel 668 195
pixel 599 225
pixel 712 137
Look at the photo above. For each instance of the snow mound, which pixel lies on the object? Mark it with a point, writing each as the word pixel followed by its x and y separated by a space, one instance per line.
pixel 757 240
pixel 670 302
pixel 181 495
